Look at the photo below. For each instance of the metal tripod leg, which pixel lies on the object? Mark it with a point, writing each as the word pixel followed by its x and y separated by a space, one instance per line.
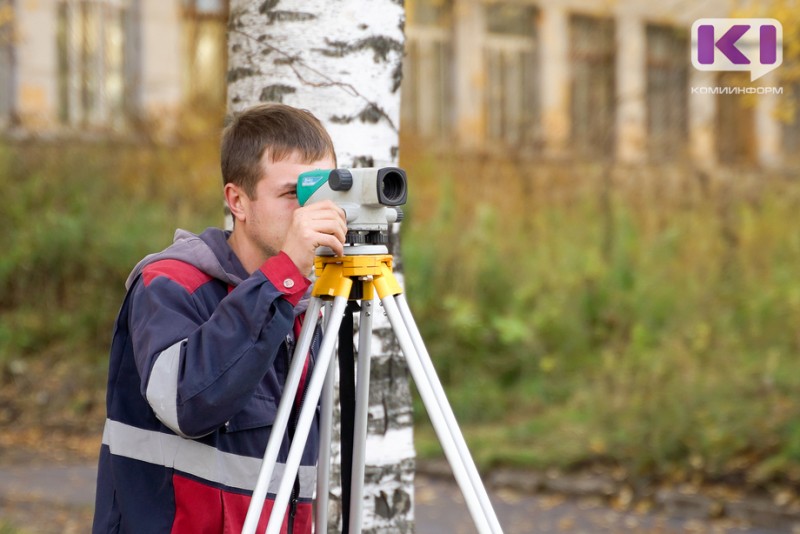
pixel 307 415
pixel 325 436
pixel 337 282
pixel 360 438
pixel 447 412
pixel 282 416
pixel 431 394
pixel 361 417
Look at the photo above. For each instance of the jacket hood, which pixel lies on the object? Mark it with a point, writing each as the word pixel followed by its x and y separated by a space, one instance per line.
pixel 210 253
pixel 194 250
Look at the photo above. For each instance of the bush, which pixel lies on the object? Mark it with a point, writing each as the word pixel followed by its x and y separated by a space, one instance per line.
pixel 644 317
pixel 648 317
pixel 77 218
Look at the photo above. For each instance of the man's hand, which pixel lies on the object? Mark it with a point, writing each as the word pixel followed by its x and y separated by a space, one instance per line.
pixel 321 224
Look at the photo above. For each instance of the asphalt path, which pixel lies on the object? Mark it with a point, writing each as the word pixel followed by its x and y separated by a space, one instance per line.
pixel 45 499
pixel 440 509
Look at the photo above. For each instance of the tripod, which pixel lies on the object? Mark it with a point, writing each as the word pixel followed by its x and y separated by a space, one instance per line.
pixel 336 277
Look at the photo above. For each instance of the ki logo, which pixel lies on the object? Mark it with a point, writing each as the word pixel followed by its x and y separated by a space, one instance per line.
pixel 737 44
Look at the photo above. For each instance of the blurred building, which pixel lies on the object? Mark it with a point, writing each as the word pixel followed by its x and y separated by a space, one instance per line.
pixel 586 79
pixel 78 66
pixel 558 79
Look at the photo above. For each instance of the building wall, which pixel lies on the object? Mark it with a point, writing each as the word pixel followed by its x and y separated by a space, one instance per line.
pixel 6 63
pixel 36 99
pixel 590 57
pixel 161 90
pixel 93 65
pixel 555 79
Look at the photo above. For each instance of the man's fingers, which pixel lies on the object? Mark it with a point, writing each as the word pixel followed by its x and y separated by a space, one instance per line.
pixel 321 224
pixel 332 243
pixel 327 217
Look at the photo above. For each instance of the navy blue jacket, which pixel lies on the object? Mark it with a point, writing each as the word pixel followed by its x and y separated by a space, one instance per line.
pixel 200 353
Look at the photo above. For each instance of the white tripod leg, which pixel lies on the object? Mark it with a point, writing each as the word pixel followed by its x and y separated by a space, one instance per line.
pixel 447 412
pixel 282 417
pixel 435 412
pixel 361 416
pixel 325 436
pixel 306 416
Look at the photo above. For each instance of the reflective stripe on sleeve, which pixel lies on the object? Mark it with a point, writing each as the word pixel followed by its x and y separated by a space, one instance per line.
pixel 162 388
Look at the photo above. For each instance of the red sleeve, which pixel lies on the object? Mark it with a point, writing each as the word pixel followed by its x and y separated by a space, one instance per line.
pixel 284 275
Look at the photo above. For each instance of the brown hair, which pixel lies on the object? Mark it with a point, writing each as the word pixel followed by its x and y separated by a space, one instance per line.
pixel 276 128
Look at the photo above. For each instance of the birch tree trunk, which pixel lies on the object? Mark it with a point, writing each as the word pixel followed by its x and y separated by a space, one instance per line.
pixel 342 59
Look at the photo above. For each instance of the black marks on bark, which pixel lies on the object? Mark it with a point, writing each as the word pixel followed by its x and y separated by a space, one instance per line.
pixel 240 73
pixel 267 8
pixel 381 47
pixel 289 16
pixel 371 114
pixel 401 504
pixel 268 5
pixel 397 76
pixel 235 20
pixel 275 93
pixel 382 508
pixel 386 412
pixel 335 48
pixel 363 161
pixel 287 60
pixel 262 39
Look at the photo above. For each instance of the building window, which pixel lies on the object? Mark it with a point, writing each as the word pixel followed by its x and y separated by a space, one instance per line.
pixel 7 89
pixel 511 65
pixel 205 41
pixel 427 103
pixel 593 100
pixel 735 122
pixel 667 91
pixel 93 80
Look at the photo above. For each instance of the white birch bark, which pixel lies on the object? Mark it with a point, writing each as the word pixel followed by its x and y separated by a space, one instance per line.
pixel 341 59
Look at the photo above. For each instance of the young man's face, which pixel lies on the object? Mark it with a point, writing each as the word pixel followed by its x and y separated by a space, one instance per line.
pixel 270 212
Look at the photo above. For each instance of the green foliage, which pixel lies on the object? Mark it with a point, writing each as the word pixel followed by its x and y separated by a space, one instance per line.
pixel 76 218
pixel 573 312
pixel 582 312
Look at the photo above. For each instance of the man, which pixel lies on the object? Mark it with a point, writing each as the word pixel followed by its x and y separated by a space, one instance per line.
pixel 203 340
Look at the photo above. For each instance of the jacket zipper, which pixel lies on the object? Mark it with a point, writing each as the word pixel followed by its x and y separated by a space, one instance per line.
pixel 293 506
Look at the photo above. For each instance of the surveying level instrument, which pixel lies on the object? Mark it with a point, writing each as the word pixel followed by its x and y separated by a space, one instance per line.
pixel 370 198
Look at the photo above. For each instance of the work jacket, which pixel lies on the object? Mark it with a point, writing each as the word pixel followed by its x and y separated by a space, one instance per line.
pixel 199 358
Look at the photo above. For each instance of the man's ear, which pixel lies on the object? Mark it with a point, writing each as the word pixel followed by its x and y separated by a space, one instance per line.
pixel 236 200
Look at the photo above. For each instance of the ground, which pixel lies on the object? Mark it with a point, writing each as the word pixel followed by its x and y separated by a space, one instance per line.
pixel 52 415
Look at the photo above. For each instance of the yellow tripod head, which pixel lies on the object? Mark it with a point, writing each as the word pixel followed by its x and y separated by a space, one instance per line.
pixel 336 275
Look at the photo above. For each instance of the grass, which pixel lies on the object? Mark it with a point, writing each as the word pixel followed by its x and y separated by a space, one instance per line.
pixel 77 216
pixel 584 313
pixel 575 312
